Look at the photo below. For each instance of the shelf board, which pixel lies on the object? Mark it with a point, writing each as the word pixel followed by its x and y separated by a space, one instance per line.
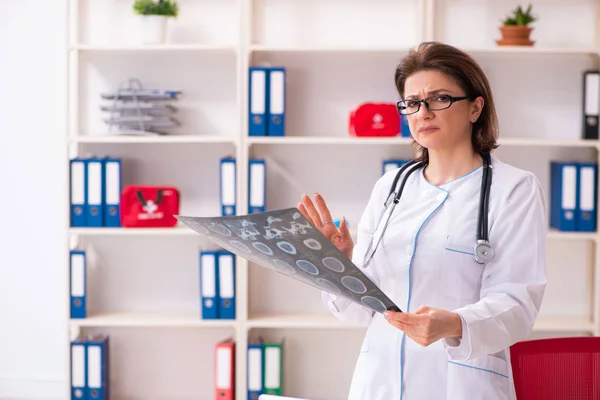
pixel 563 324
pixel 154 48
pixel 326 48
pixel 493 48
pixel 404 141
pixel 159 139
pixel 332 140
pixel 150 319
pixel 175 231
pixel 558 235
pixel 533 50
pixel 316 320
pixel 548 142
pixel 326 321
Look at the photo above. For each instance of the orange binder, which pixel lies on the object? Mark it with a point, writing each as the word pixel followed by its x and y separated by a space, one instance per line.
pixel 225 370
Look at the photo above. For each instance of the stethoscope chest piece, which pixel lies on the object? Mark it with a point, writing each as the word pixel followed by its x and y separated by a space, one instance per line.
pixel 484 252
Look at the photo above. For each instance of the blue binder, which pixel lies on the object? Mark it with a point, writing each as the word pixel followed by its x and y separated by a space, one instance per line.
pixel 563 195
pixel 392 164
pixel 404 128
pixel 255 370
pixel 226 268
pixel 98 367
pixel 94 195
pixel 258 79
pixel 79 389
pixel 228 187
pixel 209 284
pixel 588 197
pixel 276 103
pixel 78 284
pixel 257 187
pixel 78 191
pixel 111 202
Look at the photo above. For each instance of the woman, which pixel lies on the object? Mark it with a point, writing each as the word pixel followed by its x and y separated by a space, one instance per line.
pixel 460 317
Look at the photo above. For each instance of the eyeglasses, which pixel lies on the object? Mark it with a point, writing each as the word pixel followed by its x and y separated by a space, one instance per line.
pixel 433 103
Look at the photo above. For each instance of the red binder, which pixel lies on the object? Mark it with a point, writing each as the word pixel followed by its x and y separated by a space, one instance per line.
pixel 225 370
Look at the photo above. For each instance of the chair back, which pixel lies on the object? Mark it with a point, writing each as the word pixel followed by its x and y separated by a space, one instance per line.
pixel 557 368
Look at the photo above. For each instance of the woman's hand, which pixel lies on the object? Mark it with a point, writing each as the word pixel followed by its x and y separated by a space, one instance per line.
pixel 322 220
pixel 427 325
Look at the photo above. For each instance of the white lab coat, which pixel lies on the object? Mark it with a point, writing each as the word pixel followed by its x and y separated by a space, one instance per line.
pixel 425 259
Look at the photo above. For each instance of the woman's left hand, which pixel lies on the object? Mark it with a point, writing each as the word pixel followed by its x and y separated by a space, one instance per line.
pixel 427 325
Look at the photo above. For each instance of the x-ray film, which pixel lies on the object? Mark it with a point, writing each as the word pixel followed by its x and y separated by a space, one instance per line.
pixel 286 242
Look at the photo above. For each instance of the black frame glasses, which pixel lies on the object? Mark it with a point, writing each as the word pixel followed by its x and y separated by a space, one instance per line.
pixel 401 105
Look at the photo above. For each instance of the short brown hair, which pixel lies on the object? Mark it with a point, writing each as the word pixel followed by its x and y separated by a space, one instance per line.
pixel 465 71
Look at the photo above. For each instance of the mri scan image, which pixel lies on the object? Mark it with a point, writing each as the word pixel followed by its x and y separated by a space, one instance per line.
pixel 286 242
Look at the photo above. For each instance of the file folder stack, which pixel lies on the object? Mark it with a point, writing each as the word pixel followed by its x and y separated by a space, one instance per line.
pixel 225 370
pixel 392 164
pixel 573 196
pixel 265 369
pixel 267 102
pixel 95 191
pixel 90 369
pixel 78 284
pixel 217 284
pixel 134 110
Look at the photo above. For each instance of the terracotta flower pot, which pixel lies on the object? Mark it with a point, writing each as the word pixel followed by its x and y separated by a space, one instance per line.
pixel 515 35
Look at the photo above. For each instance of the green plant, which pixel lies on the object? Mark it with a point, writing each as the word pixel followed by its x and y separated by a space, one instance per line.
pixel 520 17
pixel 166 8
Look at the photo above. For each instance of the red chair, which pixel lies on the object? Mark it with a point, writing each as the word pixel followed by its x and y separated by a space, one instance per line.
pixel 557 368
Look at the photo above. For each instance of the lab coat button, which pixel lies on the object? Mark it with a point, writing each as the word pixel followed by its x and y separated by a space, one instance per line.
pixel 409 249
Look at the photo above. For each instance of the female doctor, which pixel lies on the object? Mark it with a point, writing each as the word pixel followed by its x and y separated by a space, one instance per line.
pixel 462 308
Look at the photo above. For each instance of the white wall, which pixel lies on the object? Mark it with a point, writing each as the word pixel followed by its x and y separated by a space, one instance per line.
pixel 33 261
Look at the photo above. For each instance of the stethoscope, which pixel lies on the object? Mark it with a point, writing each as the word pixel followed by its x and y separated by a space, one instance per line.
pixel 483 251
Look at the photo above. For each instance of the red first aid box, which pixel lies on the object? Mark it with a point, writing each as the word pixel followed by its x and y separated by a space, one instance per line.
pixel 144 206
pixel 374 119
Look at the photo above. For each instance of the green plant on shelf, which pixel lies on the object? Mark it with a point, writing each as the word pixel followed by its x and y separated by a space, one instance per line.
pixel 165 8
pixel 520 17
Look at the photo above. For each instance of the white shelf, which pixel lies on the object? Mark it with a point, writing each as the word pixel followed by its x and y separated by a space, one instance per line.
pixel 404 141
pixel 155 48
pixel 527 142
pixel 298 321
pixel 182 230
pixel 328 321
pixel 175 231
pixel 558 235
pixel 330 140
pixel 160 139
pixel 258 48
pixel 563 324
pixel 150 319
pixel 398 50
pixel 534 50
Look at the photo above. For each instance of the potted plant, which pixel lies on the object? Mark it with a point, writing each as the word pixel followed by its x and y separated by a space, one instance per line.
pixel 515 29
pixel 154 17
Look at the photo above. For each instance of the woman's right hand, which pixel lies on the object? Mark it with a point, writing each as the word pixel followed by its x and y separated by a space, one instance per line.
pixel 322 220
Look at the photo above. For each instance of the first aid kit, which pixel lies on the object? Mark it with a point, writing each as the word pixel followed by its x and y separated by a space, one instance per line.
pixel 374 119
pixel 144 206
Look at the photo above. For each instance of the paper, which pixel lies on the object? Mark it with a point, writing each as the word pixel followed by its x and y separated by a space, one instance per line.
pixel 286 242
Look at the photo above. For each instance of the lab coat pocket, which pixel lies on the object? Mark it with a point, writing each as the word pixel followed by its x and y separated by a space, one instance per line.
pixel 484 377
pixel 460 272
pixel 358 386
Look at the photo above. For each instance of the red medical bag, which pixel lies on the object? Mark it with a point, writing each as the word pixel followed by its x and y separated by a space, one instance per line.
pixel 149 206
pixel 375 119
